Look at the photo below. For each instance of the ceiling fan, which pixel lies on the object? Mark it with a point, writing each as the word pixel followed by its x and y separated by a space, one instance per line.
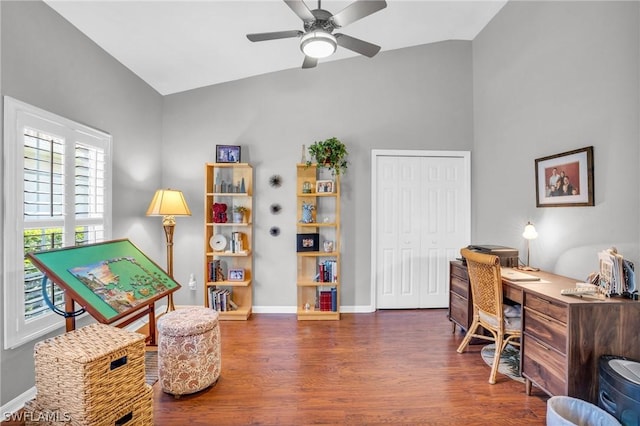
pixel 317 40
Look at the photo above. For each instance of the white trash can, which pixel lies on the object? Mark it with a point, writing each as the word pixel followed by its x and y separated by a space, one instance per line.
pixel 566 411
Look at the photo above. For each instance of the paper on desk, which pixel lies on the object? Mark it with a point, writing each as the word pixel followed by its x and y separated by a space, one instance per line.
pixel 513 275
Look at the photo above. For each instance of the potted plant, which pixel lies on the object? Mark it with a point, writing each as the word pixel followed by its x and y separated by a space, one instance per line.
pixel 330 154
pixel 239 213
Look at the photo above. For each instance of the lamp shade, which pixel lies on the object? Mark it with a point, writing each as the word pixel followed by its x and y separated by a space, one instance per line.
pixel 318 44
pixel 530 232
pixel 168 202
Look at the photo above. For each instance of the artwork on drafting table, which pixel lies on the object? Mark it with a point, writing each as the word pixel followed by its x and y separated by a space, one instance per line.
pixel 110 279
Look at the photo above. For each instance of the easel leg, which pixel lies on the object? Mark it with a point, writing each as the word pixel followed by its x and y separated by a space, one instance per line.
pixel 152 325
pixel 70 321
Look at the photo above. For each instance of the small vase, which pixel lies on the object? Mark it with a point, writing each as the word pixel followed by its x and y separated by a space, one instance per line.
pixel 307 216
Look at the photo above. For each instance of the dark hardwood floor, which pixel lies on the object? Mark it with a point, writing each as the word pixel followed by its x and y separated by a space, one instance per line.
pixel 388 367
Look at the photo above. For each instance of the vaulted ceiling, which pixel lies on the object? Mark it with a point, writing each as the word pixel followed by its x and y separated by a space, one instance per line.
pixel 178 45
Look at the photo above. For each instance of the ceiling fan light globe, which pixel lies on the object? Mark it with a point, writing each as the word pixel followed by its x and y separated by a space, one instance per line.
pixel 318 44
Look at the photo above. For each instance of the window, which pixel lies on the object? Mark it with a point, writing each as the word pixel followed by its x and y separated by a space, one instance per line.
pixel 57 191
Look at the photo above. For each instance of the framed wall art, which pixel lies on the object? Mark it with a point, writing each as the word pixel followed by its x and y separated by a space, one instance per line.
pixel 227 153
pixel 566 179
pixel 308 242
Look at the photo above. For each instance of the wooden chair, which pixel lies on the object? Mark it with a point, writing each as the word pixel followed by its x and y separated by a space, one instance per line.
pixel 488 311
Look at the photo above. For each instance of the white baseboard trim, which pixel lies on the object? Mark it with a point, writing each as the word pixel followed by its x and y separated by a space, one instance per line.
pixel 16 404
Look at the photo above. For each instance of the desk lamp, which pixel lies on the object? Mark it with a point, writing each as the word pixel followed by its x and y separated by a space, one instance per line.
pixel 529 234
pixel 169 203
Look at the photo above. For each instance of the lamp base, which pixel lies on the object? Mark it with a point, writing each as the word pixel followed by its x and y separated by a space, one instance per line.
pixel 170 305
pixel 528 268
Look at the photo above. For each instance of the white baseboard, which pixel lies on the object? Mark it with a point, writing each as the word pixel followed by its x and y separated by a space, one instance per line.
pixel 16 404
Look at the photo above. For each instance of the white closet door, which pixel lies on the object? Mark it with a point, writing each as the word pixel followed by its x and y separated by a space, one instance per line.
pixel 421 219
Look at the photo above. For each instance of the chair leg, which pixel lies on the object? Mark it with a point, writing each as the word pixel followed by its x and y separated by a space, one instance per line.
pixel 467 338
pixel 496 359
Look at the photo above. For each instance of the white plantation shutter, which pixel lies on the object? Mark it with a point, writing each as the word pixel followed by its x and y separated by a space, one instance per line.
pixel 58 174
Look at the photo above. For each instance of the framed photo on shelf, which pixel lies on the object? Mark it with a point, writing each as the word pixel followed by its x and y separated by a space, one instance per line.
pixel 323 186
pixel 235 275
pixel 227 153
pixel 308 242
pixel 566 179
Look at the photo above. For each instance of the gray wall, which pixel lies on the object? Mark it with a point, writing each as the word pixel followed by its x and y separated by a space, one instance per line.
pixel 48 63
pixel 550 77
pixel 417 98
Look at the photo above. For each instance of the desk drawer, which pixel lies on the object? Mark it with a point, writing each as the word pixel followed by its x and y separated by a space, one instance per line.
pixel 547 330
pixel 459 270
pixel 544 366
pixel 459 286
pixel 459 310
pixel 546 307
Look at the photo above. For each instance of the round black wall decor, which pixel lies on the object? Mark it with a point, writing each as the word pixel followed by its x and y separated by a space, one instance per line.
pixel 275 208
pixel 274 231
pixel 275 181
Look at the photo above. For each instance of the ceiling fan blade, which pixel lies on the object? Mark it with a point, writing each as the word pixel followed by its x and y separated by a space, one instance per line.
pixel 357 10
pixel 359 46
pixel 309 62
pixel 274 35
pixel 300 9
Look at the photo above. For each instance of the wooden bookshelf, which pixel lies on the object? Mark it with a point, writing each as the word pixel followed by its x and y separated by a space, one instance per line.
pixel 325 221
pixel 230 184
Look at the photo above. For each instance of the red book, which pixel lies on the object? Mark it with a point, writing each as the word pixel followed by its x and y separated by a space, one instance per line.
pixel 325 300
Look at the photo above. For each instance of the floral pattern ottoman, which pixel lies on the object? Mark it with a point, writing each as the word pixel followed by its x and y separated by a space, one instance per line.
pixel 188 350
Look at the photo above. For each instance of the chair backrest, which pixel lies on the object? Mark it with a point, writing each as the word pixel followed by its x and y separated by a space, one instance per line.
pixel 486 281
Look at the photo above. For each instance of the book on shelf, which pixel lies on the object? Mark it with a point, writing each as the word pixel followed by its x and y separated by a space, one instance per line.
pixel 236 243
pixel 329 300
pixel 327 271
pixel 220 300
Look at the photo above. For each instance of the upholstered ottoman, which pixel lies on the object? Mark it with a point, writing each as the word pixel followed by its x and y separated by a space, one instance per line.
pixel 188 350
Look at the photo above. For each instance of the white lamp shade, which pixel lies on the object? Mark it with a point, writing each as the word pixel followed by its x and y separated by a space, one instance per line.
pixel 168 202
pixel 318 44
pixel 530 232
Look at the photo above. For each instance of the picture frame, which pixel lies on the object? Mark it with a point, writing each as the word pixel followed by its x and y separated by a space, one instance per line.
pixel 227 153
pixel 324 186
pixel 565 179
pixel 235 274
pixel 308 242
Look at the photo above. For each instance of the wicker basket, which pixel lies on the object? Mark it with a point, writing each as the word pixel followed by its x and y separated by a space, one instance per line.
pixel 90 372
pixel 138 412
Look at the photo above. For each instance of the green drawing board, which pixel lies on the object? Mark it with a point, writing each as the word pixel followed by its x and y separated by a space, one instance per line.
pixel 111 280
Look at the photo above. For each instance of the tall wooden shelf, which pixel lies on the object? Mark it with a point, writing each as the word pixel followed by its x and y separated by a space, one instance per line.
pixel 326 223
pixel 236 191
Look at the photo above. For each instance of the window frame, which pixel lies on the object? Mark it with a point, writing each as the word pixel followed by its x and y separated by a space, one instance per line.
pixel 17 116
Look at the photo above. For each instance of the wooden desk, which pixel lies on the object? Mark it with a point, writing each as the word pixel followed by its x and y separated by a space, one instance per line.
pixel 564 336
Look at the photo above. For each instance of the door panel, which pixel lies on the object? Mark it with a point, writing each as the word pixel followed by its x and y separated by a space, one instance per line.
pixel 422 218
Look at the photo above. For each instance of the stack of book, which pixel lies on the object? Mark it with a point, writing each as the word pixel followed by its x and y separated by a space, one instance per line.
pixel 236 242
pixel 328 271
pixel 329 300
pixel 616 274
pixel 220 300
pixel 214 271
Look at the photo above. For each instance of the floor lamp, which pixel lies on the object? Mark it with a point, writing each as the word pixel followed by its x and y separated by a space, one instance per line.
pixel 529 234
pixel 169 203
